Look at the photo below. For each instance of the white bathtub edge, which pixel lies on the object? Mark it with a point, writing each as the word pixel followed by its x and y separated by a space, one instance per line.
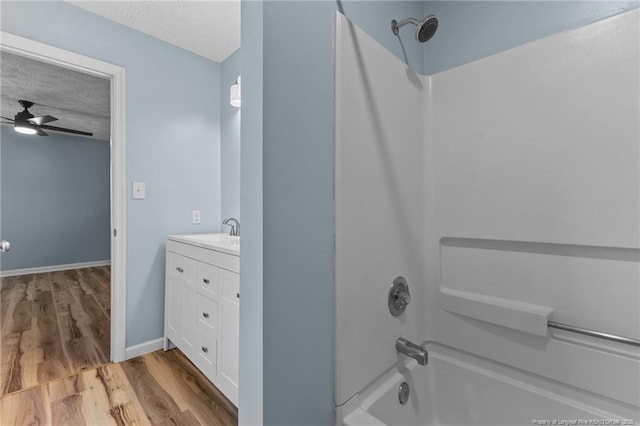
pixel 357 410
pixel 360 403
pixel 359 417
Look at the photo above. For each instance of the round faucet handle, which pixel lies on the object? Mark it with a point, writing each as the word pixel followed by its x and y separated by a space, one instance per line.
pixel 399 296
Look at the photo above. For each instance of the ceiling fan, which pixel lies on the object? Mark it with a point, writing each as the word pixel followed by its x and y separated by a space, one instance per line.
pixel 27 123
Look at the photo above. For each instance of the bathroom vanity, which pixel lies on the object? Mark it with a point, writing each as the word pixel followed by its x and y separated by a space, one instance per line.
pixel 202 301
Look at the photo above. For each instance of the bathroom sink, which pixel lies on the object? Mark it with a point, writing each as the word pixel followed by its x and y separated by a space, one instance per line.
pixel 215 238
pixel 222 242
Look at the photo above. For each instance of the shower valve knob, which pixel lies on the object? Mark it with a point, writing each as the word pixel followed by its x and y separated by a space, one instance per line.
pixel 399 296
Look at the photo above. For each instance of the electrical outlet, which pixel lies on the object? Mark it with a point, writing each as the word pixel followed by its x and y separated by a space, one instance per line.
pixel 195 217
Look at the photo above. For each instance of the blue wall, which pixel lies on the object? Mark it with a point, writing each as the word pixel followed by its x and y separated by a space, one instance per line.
pixel 230 138
pixel 172 136
pixel 470 30
pixel 375 17
pixel 251 382
pixel 296 162
pixel 298 199
pixel 298 213
pixel 55 199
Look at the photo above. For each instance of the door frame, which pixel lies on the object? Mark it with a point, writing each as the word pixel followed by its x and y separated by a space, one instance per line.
pixel 116 75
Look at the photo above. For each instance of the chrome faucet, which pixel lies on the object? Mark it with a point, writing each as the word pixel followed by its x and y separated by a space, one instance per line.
pixel 235 226
pixel 419 353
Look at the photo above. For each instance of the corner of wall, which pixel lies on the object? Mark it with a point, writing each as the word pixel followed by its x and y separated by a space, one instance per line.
pixel 230 124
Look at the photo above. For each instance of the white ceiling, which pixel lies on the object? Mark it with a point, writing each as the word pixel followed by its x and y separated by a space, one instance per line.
pixel 79 101
pixel 209 28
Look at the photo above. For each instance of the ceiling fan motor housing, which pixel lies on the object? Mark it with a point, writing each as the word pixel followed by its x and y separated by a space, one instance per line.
pixel 24 115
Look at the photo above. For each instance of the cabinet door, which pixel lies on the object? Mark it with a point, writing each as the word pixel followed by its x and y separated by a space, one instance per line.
pixel 173 298
pixel 188 334
pixel 229 329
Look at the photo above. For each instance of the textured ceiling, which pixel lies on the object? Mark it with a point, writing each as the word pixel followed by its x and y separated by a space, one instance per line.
pixel 208 28
pixel 79 101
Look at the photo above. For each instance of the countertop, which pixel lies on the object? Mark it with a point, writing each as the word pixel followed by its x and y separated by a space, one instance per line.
pixel 220 242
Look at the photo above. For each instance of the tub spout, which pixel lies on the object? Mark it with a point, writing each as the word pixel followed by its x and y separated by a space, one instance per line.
pixel 419 353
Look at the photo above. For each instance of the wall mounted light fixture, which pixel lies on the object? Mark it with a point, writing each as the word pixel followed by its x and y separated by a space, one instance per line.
pixel 235 98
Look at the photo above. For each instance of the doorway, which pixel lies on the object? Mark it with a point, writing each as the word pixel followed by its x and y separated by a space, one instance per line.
pixel 112 280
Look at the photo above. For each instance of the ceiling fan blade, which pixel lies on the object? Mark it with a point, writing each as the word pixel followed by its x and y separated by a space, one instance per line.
pixel 42 132
pixel 41 120
pixel 62 129
pixel 7 118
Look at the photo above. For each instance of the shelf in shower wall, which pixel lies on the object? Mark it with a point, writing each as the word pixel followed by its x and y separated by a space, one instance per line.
pixel 520 316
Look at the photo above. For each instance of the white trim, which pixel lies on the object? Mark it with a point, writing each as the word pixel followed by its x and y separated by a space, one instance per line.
pixel 144 348
pixel 118 217
pixel 53 268
pixel 66 59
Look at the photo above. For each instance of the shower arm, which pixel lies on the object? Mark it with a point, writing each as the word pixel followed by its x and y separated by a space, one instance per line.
pixel 395 25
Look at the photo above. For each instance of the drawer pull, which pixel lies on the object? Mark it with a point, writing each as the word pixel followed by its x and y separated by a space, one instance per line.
pixel 179 269
pixel 205 314
pixel 205 349
pixel 206 280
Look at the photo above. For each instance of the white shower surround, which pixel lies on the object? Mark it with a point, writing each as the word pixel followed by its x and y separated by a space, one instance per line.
pixel 507 192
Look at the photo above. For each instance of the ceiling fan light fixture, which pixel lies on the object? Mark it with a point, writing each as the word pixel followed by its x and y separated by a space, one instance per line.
pixel 25 128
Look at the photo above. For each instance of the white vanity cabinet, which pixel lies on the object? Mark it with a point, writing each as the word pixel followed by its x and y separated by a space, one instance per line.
pixel 202 304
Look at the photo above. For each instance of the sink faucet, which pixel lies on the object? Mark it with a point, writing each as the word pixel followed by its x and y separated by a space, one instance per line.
pixel 419 353
pixel 235 226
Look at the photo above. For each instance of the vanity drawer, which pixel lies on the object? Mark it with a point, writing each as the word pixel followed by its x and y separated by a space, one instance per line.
pixel 207 314
pixel 182 266
pixel 208 279
pixel 207 353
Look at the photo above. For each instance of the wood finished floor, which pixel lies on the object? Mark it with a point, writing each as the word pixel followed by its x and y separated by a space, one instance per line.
pixel 53 325
pixel 160 388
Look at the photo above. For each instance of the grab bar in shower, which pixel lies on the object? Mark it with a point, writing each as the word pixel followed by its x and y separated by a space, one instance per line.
pixel 593 333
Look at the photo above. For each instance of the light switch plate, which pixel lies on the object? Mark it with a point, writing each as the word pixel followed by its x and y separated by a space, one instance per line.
pixel 195 217
pixel 138 190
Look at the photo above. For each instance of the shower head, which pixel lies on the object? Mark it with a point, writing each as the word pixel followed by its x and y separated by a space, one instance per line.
pixel 425 27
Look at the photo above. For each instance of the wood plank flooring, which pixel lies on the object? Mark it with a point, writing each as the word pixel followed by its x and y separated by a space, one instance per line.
pixel 53 325
pixel 161 388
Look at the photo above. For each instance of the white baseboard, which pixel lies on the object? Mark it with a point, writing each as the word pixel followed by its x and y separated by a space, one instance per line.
pixel 144 348
pixel 53 268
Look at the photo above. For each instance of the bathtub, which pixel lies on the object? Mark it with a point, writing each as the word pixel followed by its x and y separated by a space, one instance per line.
pixel 475 391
